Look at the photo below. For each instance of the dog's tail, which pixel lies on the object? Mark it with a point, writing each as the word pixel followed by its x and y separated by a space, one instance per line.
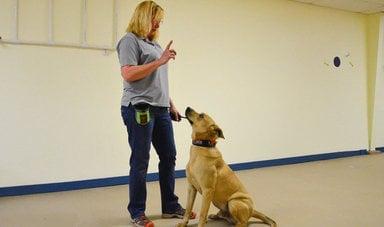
pixel 264 218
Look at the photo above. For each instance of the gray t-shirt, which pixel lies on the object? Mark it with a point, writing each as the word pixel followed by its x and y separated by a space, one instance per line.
pixel 152 89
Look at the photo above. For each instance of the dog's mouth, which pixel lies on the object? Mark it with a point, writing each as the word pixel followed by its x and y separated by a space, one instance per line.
pixel 190 122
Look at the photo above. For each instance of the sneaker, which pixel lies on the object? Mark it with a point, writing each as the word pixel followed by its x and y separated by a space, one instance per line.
pixel 142 221
pixel 179 213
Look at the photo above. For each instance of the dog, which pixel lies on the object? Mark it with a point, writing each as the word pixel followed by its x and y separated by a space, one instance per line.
pixel 208 174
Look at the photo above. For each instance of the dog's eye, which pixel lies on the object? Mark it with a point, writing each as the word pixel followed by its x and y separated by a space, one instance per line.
pixel 201 115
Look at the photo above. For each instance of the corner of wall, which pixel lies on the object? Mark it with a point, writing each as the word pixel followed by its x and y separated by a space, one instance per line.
pixel 372 43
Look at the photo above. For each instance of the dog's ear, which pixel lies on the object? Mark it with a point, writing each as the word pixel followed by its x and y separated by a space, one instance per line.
pixel 218 131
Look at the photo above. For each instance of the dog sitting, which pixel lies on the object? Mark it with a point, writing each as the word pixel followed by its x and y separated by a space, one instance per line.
pixel 208 174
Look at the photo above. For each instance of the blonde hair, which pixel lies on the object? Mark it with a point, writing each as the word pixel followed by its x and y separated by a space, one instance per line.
pixel 141 21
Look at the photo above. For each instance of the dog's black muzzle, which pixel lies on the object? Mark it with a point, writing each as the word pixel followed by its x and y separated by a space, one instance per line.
pixel 187 112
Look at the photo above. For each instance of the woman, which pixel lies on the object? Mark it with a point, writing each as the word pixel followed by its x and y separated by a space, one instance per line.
pixel 147 109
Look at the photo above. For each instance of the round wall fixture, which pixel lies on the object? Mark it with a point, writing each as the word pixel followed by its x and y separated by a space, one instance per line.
pixel 336 61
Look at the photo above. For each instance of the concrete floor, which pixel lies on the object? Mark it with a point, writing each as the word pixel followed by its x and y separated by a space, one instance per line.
pixel 345 192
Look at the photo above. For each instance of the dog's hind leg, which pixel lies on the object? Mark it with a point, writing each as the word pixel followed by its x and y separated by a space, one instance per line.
pixel 222 215
pixel 264 218
pixel 240 212
pixel 190 201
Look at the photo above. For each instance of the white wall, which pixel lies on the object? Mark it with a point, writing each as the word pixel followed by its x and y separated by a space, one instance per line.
pixel 262 69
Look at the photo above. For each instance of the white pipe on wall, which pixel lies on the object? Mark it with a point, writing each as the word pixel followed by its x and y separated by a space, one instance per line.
pixel 51 42
pixel 16 20
pixel 114 24
pixel 50 21
pixel 84 23
pixel 68 45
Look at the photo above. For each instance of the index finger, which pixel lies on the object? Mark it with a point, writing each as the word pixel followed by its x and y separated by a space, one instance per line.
pixel 169 45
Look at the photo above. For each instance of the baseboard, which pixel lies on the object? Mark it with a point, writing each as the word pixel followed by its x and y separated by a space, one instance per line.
pixel 381 149
pixel 112 181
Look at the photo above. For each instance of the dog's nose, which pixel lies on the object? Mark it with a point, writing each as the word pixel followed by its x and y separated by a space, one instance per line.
pixel 189 109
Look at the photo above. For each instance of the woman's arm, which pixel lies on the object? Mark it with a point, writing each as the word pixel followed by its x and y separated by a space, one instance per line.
pixel 131 73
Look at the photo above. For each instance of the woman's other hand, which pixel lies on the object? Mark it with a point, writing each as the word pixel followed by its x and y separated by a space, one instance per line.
pixel 168 54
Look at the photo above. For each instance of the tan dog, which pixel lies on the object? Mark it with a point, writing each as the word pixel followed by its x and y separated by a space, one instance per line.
pixel 208 174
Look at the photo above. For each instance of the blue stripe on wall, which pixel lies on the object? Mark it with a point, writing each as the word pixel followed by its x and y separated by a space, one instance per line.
pixel 380 149
pixel 112 181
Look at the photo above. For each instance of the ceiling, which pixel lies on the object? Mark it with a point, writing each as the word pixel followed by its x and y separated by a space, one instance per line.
pixel 361 6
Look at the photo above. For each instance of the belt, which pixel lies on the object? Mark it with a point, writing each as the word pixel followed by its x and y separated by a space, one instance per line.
pixel 152 109
pixel 158 109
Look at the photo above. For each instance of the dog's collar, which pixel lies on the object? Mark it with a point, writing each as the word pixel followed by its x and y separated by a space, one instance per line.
pixel 204 143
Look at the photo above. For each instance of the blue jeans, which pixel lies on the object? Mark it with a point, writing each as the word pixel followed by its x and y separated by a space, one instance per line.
pixel 159 132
